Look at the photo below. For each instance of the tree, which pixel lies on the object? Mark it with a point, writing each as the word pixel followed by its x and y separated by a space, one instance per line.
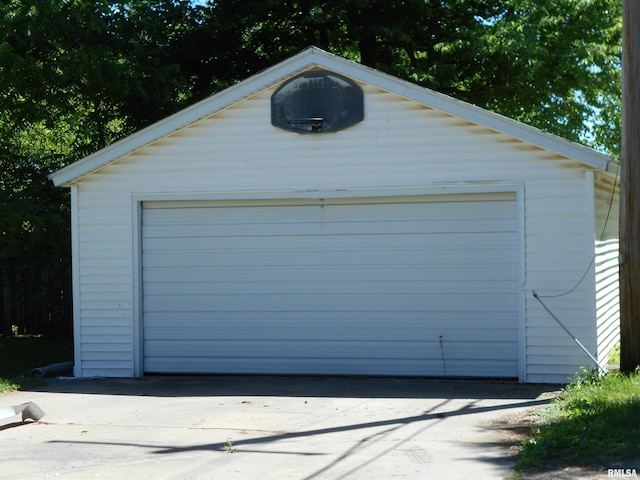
pixel 552 64
pixel 112 66
pixel 76 75
pixel 34 249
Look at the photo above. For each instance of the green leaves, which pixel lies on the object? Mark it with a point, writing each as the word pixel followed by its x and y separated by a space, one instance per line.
pixel 552 64
pixel 76 75
pixel 107 68
pixel 93 64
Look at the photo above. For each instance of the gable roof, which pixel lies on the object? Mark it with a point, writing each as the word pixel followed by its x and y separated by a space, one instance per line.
pixel 315 57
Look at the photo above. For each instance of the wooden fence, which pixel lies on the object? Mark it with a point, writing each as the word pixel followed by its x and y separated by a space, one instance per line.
pixel 36 302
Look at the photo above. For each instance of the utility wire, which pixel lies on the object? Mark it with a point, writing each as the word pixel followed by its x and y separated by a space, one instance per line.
pixel 593 258
pixel 602 369
pixel 584 275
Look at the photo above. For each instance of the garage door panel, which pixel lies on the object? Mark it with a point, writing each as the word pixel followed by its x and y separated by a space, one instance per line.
pixel 164 245
pixel 275 287
pixel 458 325
pixel 330 303
pixel 355 257
pixel 256 221
pixel 324 227
pixel 295 350
pixel 339 273
pixel 497 205
pixel 305 366
pixel 313 366
pixel 265 332
pixel 364 288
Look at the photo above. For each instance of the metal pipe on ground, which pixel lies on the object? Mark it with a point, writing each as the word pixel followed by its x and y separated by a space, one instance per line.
pixel 28 410
pixel 53 369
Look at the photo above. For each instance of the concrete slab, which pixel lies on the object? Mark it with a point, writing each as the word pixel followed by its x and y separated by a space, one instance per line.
pixel 264 428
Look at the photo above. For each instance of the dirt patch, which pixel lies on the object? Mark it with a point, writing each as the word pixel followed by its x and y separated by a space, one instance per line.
pixel 515 428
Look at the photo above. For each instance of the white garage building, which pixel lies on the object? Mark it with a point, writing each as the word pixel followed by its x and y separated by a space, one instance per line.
pixel 322 217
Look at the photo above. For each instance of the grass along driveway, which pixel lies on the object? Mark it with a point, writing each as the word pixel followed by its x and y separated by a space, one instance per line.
pixel 592 426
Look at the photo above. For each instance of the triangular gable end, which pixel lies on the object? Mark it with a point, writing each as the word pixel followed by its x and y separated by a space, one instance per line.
pixel 314 57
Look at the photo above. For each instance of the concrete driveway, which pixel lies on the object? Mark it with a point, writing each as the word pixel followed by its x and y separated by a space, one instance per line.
pixel 264 428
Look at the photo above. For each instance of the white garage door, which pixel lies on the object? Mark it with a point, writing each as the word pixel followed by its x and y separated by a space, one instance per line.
pixel 423 286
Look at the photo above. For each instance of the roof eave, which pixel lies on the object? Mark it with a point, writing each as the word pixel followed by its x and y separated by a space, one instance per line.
pixel 480 116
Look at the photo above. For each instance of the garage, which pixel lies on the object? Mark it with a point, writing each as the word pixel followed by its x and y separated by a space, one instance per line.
pixel 324 218
pixel 408 285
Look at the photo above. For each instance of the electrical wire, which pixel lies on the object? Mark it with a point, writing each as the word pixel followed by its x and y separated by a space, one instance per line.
pixel 593 258
pixel 603 370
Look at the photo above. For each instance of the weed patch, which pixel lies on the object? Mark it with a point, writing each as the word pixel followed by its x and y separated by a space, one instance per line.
pixel 593 422
pixel 614 355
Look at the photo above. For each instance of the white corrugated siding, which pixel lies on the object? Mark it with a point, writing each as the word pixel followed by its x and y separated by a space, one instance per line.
pixel 400 144
pixel 105 284
pixel 395 286
pixel 606 264
pixel 559 251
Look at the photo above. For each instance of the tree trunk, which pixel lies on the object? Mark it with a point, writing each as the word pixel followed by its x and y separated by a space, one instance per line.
pixel 630 190
pixel 368 50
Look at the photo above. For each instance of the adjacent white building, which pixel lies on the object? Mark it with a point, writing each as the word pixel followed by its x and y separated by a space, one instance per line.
pixel 353 224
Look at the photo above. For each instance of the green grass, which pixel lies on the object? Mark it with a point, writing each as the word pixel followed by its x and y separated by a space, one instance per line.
pixel 614 355
pixel 20 354
pixel 593 423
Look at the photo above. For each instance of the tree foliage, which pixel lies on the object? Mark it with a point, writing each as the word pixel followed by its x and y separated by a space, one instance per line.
pixel 553 64
pixel 75 75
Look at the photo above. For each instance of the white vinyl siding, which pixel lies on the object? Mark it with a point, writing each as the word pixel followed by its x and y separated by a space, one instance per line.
pixel 607 246
pixel 105 289
pixel 558 254
pixel 415 286
pixel 400 145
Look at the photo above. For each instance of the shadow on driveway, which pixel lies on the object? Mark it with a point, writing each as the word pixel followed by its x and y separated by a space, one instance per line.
pixel 302 386
pixel 368 441
pixel 262 427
